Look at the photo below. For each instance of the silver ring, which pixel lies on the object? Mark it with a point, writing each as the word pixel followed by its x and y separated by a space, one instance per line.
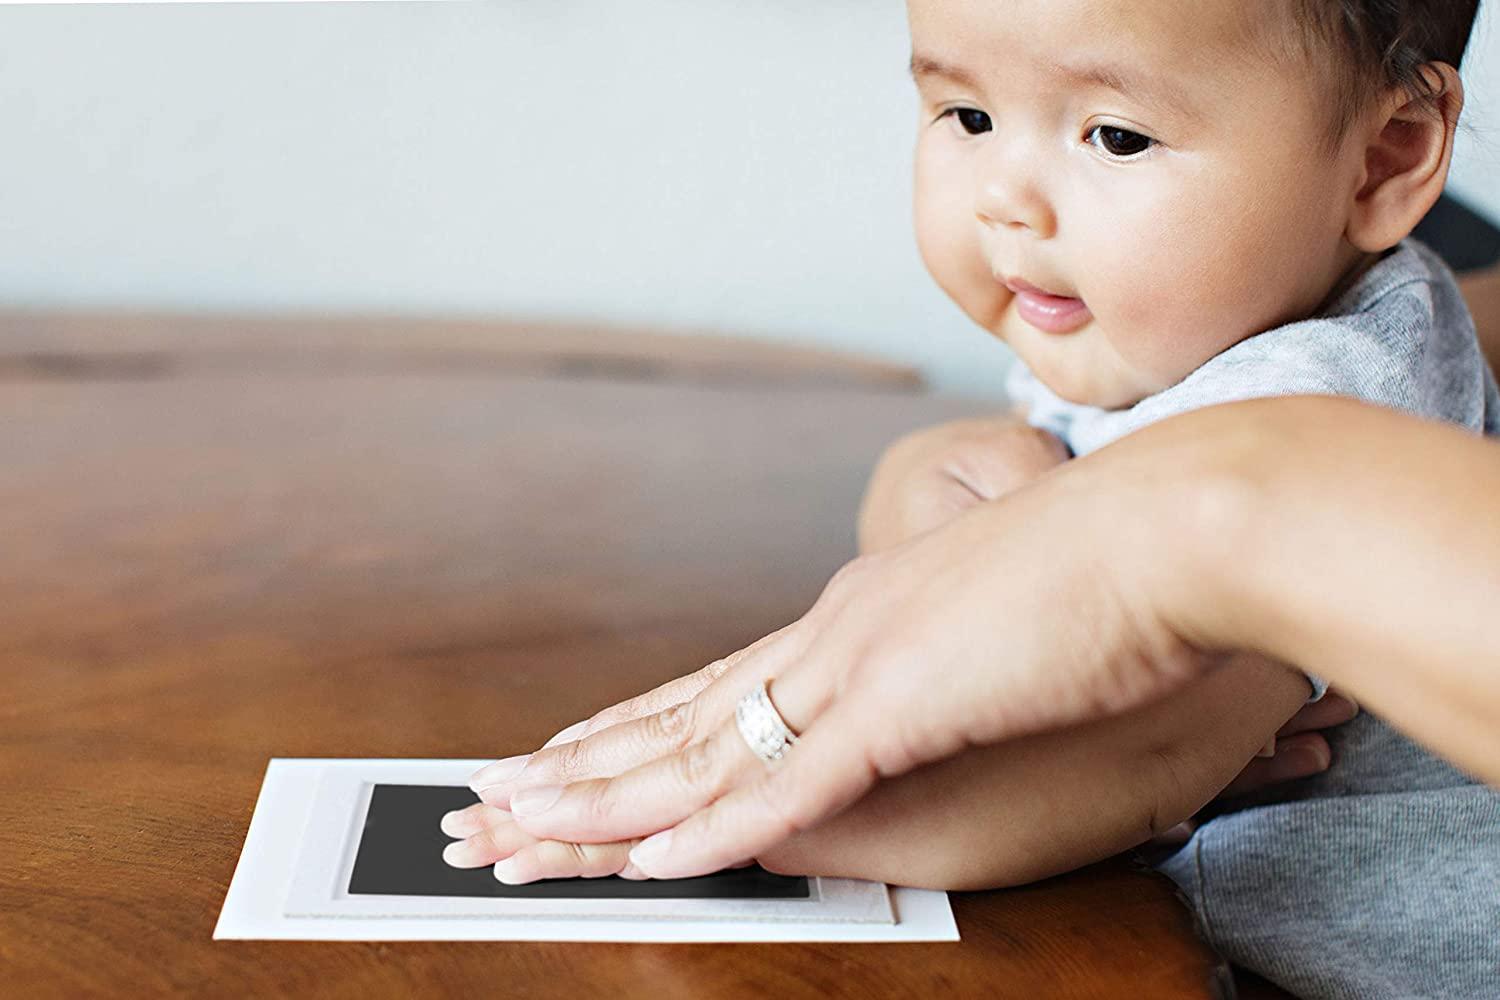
pixel 763 728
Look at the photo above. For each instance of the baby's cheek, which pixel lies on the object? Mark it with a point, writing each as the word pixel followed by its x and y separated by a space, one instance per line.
pixel 949 242
pixel 1162 329
pixel 956 263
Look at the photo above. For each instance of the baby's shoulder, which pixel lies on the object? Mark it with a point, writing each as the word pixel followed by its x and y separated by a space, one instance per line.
pixel 1401 336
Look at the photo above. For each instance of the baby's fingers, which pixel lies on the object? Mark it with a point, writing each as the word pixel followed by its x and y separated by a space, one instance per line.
pixel 1333 709
pixel 474 819
pixel 558 859
pixel 1300 755
pixel 487 846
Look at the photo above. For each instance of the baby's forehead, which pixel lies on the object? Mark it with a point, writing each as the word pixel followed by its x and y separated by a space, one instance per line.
pixel 1219 53
pixel 1159 36
pixel 1206 21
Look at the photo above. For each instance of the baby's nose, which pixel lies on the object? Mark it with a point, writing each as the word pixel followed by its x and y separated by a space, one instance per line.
pixel 1014 200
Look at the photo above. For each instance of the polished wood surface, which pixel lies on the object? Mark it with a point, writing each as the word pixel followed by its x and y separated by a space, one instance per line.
pixel 219 564
pixel 144 345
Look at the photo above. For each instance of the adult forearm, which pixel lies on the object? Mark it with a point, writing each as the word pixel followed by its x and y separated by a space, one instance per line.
pixel 1357 543
pixel 1026 809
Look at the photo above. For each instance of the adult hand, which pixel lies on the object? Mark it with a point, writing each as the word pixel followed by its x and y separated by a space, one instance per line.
pixel 924 479
pixel 857 676
pixel 929 476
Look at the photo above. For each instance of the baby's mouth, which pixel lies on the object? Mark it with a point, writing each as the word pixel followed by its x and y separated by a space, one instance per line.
pixel 1047 312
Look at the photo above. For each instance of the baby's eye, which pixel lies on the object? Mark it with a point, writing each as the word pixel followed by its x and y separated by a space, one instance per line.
pixel 971 121
pixel 1119 142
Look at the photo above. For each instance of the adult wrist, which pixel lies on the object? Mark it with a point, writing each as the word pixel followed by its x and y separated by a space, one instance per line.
pixel 1190 497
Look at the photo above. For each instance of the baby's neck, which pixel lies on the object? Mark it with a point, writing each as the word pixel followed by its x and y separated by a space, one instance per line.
pixel 1356 270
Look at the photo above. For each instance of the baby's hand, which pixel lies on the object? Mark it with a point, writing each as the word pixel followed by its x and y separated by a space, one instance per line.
pixel 1298 750
pixel 932 475
pixel 490 837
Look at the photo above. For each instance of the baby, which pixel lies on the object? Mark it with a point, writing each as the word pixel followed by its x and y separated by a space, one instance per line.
pixel 1161 205
pixel 1165 205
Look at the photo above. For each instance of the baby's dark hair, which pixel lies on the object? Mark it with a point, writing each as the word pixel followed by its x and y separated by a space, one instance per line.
pixel 1381 44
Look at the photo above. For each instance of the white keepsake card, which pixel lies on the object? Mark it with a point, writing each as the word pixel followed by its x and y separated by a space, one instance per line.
pixel 351 850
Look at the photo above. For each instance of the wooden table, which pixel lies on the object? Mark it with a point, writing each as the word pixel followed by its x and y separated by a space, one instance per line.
pixel 222 549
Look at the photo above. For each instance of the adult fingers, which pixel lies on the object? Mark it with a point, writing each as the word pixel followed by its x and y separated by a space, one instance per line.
pixel 1332 709
pixel 629 744
pixel 1297 756
pixel 606 753
pixel 559 859
pixel 673 692
pixel 669 788
pixel 823 773
pixel 640 801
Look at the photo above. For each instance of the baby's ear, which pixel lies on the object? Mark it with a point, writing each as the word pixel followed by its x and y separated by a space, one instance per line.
pixel 1406 158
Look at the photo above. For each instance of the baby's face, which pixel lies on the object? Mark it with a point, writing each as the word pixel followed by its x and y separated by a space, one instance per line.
pixel 1174 217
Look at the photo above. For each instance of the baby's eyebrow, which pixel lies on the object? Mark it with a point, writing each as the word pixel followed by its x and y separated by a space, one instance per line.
pixel 1120 79
pixel 1123 80
pixel 927 66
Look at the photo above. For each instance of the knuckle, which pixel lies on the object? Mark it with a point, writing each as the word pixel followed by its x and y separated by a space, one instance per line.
pixel 697 766
pixel 579 856
pixel 571 761
pixel 598 859
pixel 848 576
pixel 778 812
pixel 999 461
pixel 486 841
pixel 722 666
pixel 604 718
pixel 672 727
pixel 631 708
pixel 483 816
pixel 550 859
pixel 602 805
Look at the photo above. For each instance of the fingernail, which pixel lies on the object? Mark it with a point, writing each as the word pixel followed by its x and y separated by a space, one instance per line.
pixel 461 854
pixel 1269 750
pixel 567 735
pixel 1307 760
pixel 651 850
pixel 506 872
pixel 501 770
pixel 535 800
pixel 449 823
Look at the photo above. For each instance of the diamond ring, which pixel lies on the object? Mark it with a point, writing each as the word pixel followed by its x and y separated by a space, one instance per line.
pixel 763 728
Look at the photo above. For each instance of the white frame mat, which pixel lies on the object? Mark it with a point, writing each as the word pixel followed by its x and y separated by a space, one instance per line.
pixel 288 886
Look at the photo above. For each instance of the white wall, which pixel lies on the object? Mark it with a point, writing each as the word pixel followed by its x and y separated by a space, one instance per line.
pixel 737 165
pixel 1476 158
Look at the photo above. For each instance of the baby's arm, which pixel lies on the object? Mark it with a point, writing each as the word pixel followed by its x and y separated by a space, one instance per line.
pixel 932 475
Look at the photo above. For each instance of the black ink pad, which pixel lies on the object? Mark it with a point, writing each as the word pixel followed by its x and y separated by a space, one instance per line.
pixel 401 854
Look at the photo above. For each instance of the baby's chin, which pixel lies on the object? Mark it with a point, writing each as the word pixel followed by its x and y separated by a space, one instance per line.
pixel 1098 391
pixel 1070 366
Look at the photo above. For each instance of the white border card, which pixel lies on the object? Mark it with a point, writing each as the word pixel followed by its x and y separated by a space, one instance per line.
pixel 292 886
